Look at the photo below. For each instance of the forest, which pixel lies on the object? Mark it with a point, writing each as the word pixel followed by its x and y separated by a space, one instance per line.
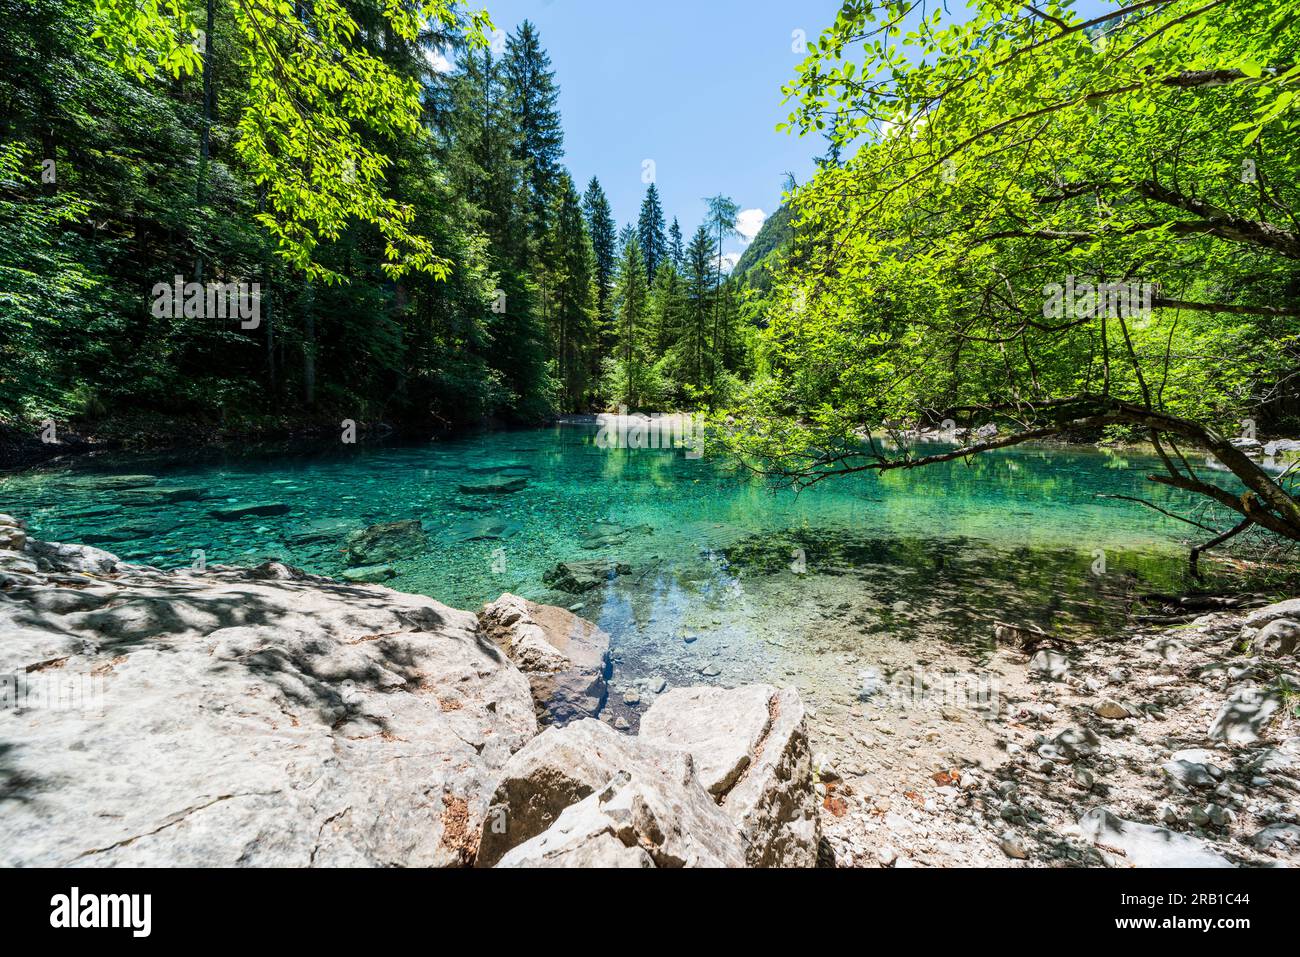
pixel 1020 219
pixel 420 252
pixel 399 472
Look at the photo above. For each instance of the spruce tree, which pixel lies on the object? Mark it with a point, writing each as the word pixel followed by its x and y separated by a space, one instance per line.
pixel 676 247
pixel 601 228
pixel 534 98
pixel 650 232
pixel 630 300
pixel 700 285
pixel 572 309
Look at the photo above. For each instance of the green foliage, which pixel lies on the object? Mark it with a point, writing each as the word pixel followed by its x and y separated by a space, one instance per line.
pixel 316 98
pixel 1006 156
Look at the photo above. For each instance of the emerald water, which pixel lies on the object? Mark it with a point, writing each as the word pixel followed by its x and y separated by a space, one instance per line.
pixel 723 574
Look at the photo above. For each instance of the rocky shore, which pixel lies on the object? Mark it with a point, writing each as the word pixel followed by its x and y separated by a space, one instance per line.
pixel 1166 746
pixel 267 717
pixel 263 716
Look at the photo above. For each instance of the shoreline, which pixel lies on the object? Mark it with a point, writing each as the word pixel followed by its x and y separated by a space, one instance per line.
pixel 1169 745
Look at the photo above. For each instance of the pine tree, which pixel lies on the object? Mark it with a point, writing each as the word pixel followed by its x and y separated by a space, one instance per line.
pixel 700 286
pixel 630 301
pixel 573 306
pixel 650 232
pixel 601 228
pixel 534 98
pixel 676 247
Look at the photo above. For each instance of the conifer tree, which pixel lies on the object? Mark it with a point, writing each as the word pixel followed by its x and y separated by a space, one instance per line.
pixel 676 247
pixel 534 97
pixel 630 303
pixel 651 233
pixel 601 228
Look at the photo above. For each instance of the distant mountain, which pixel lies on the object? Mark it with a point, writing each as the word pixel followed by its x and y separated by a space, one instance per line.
pixel 754 263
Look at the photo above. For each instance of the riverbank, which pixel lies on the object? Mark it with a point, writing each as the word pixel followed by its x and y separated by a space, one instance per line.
pixel 1163 746
pixel 35 446
pixel 269 716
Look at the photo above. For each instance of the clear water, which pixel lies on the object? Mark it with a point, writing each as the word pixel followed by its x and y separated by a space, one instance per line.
pixel 725 573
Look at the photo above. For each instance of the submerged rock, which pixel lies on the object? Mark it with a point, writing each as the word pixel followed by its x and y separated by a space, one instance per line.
pixel 154 497
pixel 115 483
pixel 578 577
pixel 494 468
pixel 127 533
pixel 386 542
pixel 499 485
pixel 319 530
pixel 369 574
pixel 607 534
pixel 566 658
pixel 234 513
pixel 483 529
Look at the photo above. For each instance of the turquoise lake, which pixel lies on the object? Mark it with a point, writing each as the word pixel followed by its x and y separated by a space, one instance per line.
pixel 722 574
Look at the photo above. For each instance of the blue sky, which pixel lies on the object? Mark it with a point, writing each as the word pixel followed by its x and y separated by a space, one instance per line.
pixel 694 86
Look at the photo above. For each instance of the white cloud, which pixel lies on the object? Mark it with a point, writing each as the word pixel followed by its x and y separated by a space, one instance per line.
pixel 729 261
pixel 438 60
pixel 749 222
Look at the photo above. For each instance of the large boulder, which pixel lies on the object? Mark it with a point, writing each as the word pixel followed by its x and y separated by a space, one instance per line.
pixel 1243 718
pixel 566 658
pixel 650 814
pixel 750 746
pixel 241 717
pixel 558 768
pixel 1262 616
pixel 386 542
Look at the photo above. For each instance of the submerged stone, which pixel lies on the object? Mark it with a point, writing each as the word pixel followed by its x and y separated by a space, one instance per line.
pixel 386 542
pixel 500 485
pixel 234 513
pixel 369 574
pixel 578 577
